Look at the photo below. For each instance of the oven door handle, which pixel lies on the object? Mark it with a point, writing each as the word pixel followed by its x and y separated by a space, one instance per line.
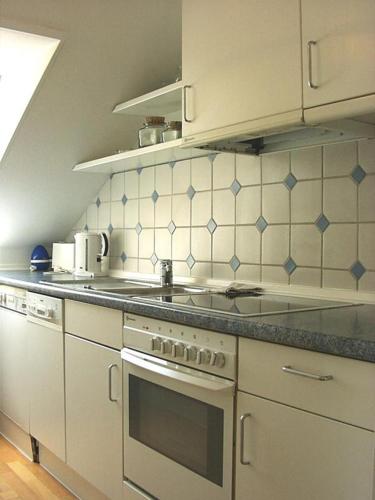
pixel 162 367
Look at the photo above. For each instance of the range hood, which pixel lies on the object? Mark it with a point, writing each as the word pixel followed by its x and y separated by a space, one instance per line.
pixel 281 134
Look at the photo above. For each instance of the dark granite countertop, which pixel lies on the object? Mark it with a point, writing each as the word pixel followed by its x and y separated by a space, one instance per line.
pixel 347 332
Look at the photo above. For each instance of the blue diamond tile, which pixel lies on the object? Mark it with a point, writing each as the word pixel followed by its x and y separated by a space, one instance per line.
pixel 290 181
pixel 86 227
pixel 235 187
pixel 358 270
pixel 153 258
pixel 139 170
pixel 212 157
pixel 138 228
pixel 261 224
pixel 155 196
pixel 211 226
pixel 124 199
pixel 123 256
pixel 171 227
pixel 98 202
pixel 190 261
pixel 290 265
pixel 172 164
pixel 190 192
pixel 358 174
pixel 110 228
pixel 234 263
pixel 322 223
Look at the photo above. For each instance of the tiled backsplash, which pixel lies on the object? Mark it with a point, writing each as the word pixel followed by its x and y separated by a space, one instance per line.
pixel 304 217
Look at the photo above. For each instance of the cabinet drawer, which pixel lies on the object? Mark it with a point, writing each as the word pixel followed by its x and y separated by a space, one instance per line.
pixel 96 323
pixel 349 396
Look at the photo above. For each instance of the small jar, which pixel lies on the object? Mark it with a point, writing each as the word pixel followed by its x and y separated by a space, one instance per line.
pixel 172 132
pixel 152 131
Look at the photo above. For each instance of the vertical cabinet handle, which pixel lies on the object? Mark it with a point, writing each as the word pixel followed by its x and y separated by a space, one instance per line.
pixel 110 368
pixel 310 82
pixel 242 439
pixel 186 119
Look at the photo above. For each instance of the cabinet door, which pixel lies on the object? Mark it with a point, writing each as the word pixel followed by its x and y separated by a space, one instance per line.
pixel 14 388
pixel 342 50
pixel 46 379
pixel 242 60
pixel 293 454
pixel 93 421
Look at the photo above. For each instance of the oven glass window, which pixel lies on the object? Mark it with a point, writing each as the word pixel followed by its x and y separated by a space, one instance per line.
pixel 184 429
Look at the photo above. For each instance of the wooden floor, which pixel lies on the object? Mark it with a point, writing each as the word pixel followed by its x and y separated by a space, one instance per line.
pixel 22 479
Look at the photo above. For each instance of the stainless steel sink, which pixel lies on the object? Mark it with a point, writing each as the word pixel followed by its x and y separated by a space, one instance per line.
pixel 155 290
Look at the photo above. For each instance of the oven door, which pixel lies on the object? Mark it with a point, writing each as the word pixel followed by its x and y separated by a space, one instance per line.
pixel 178 429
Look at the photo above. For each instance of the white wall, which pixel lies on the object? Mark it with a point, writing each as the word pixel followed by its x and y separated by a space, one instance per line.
pixel 111 51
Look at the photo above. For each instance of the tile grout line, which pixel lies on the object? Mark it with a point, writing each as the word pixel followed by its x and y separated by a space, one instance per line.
pixel 357 212
pixel 321 211
pixel 290 218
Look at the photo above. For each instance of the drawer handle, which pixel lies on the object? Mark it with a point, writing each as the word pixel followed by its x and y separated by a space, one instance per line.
pixel 310 83
pixel 292 371
pixel 242 439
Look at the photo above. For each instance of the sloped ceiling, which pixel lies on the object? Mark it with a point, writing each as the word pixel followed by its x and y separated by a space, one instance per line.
pixel 111 51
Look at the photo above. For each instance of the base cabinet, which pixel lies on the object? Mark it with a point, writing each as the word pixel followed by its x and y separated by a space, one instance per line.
pixel 290 454
pixel 94 414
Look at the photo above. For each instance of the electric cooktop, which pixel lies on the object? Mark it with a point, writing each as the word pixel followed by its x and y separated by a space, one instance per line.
pixel 261 305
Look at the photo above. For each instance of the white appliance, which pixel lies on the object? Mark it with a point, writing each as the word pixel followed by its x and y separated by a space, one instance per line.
pixel 91 254
pixel 63 257
pixel 178 410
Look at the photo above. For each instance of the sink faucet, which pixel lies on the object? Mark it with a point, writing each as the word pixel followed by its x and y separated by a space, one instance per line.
pixel 166 272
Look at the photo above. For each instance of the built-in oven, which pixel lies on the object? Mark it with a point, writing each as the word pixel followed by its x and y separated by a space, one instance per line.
pixel 178 410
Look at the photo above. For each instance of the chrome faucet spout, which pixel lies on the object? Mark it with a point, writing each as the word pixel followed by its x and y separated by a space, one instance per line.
pixel 166 272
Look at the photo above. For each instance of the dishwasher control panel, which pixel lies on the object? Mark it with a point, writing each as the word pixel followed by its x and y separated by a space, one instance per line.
pixel 45 309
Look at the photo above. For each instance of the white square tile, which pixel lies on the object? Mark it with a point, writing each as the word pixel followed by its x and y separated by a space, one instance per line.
pixel 367 282
pixel 223 244
pixel 275 199
pixel 181 210
pixel 145 266
pixel 202 270
pixel 339 159
pixel 366 150
pixel 307 163
pixel 306 201
pixel 181 176
pixel 116 242
pixel 247 169
pixel 131 243
pixel 306 276
pixel 116 264
pixel 163 179
pixel 181 269
pixel 306 241
pixel 117 187
pixel 146 243
pixel 131 265
pixel 163 244
pixel 275 167
pixel 146 182
pixel 131 184
pixel 248 244
pixel 104 216
pixel 223 170
pixel 105 192
pixel 92 217
pixel 338 279
pixel 248 272
pixel 181 243
pixel 340 200
pixel 201 208
pixel 248 206
pixel 274 274
pixel 146 212
pixel 117 214
pixel 366 193
pixel 340 246
pixel 131 213
pixel 201 244
pixel 163 211
pixel 201 173
pixel 367 245
pixel 222 272
pixel 223 206
pixel 275 245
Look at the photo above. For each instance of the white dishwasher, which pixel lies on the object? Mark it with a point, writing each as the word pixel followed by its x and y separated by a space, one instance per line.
pixel 46 369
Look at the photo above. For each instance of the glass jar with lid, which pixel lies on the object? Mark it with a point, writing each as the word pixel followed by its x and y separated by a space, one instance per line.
pixel 172 132
pixel 151 132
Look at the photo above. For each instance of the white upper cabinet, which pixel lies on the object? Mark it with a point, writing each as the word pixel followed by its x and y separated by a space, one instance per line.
pixel 241 61
pixel 338 47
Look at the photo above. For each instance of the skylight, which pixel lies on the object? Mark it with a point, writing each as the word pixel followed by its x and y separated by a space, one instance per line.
pixel 24 58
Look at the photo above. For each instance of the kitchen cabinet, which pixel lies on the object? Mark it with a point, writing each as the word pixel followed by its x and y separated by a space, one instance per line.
pixel 338 47
pixel 14 373
pixel 291 454
pixel 94 414
pixel 241 61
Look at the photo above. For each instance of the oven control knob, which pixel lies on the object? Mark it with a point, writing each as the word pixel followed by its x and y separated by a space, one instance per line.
pixel 177 349
pixel 203 356
pixel 190 353
pixel 155 344
pixel 217 359
pixel 166 346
